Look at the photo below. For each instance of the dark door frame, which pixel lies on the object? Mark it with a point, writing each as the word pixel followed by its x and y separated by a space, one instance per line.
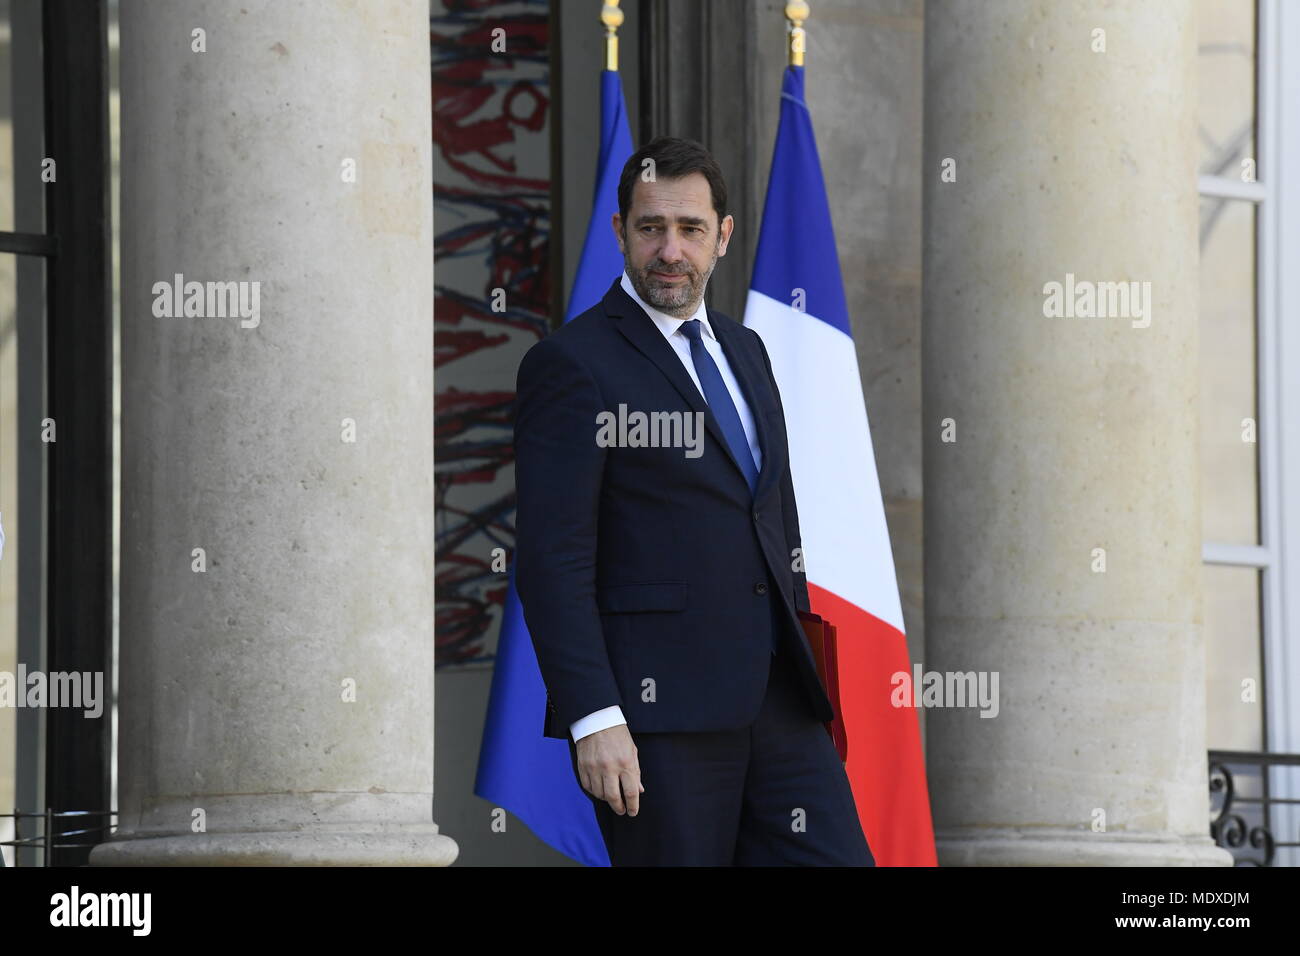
pixel 75 508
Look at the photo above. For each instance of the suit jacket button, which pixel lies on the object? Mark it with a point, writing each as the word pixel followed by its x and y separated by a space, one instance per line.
pixel 760 588
pixel 756 516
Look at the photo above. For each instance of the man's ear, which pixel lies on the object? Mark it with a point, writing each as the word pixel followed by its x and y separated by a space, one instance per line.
pixel 617 223
pixel 724 234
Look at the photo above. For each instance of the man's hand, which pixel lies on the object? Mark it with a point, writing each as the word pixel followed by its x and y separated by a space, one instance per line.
pixel 608 769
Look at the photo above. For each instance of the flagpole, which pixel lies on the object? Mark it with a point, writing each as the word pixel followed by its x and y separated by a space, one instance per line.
pixel 796 12
pixel 612 17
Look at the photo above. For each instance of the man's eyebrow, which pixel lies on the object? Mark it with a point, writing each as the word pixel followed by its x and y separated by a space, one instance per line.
pixel 684 220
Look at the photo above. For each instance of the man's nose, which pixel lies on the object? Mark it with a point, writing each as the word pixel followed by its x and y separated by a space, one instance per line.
pixel 671 250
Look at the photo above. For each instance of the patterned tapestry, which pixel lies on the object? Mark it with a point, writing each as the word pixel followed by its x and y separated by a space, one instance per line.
pixel 491 190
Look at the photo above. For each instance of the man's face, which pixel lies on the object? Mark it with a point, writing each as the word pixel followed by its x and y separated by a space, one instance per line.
pixel 672 241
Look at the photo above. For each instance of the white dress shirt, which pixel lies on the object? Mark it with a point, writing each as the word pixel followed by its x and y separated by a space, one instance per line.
pixel 613 716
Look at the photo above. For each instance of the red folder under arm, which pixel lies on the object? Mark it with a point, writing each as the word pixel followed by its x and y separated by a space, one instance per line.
pixel 821 638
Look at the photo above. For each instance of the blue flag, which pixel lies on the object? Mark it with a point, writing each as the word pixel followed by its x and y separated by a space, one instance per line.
pixel 527 774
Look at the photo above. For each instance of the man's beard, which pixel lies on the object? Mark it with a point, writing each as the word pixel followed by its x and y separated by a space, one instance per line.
pixel 678 299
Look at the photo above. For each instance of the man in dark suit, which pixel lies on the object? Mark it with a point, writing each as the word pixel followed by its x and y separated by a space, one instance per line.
pixel 657 537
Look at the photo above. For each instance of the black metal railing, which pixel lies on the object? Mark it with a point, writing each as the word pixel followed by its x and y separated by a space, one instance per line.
pixel 1243 805
pixel 50 836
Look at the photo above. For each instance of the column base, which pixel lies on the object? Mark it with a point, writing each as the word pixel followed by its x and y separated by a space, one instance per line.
pixel 412 844
pixel 1042 846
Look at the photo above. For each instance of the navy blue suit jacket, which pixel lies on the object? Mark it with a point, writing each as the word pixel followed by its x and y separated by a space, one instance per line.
pixel 646 577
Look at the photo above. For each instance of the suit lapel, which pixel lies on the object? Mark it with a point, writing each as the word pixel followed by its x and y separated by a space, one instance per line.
pixel 640 330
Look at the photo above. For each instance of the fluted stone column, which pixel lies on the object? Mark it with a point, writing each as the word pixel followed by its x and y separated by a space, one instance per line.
pixel 277 470
pixel 1075 437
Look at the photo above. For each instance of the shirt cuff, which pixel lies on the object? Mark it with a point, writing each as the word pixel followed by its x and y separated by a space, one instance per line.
pixel 600 720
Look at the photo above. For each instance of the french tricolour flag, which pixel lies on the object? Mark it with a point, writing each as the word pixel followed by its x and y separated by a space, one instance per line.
pixel 796 303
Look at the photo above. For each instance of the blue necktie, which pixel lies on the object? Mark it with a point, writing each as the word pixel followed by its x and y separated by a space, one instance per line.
pixel 720 403
pixel 724 410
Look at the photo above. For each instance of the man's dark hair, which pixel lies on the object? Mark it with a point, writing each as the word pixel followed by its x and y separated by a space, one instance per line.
pixel 673 158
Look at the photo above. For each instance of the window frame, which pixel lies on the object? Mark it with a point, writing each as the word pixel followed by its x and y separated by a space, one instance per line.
pixel 1278 238
pixel 1277 300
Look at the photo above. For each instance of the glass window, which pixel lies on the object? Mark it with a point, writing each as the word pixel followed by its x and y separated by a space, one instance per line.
pixel 1234 675
pixel 1229 386
pixel 9 522
pixel 1226 109
pixel 6 121
pixel 1229 394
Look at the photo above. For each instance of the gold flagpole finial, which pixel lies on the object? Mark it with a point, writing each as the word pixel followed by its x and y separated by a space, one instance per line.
pixel 796 12
pixel 612 17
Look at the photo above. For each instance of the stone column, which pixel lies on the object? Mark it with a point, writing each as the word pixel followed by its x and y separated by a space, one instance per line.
pixel 276 665
pixel 1062 525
